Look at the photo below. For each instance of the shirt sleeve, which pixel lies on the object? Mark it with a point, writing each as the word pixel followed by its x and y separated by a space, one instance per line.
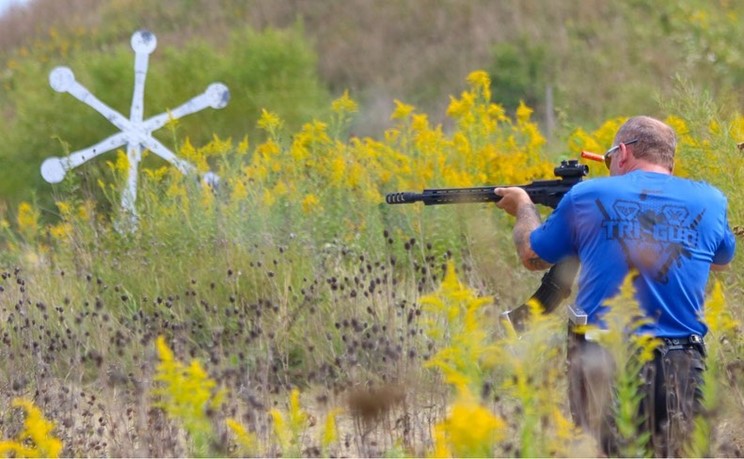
pixel 552 241
pixel 725 251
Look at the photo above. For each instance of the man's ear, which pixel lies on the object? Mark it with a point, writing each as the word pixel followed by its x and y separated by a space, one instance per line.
pixel 622 155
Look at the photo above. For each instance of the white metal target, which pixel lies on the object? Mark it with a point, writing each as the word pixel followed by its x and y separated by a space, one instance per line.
pixel 135 132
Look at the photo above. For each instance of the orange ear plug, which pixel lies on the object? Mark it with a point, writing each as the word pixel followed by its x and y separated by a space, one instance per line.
pixel 592 156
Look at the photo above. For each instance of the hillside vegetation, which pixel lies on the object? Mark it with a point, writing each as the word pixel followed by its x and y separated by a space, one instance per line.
pixel 599 58
pixel 289 311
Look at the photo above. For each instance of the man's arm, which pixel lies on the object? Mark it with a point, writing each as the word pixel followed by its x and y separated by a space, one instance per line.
pixel 715 267
pixel 515 201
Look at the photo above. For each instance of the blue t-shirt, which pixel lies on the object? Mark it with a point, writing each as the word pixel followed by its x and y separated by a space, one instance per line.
pixel 668 228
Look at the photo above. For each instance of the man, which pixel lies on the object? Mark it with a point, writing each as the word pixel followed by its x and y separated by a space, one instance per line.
pixel 671 232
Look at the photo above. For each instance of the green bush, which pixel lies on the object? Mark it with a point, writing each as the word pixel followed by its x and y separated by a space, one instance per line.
pixel 520 72
pixel 269 69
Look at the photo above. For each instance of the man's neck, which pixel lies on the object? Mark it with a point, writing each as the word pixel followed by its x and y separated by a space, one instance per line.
pixel 647 166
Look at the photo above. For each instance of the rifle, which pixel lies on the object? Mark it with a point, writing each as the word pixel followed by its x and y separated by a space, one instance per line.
pixel 556 284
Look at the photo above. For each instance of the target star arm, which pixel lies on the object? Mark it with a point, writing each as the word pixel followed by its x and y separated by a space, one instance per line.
pixel 82 94
pixel 81 156
pixel 54 169
pixel 216 96
pixel 161 150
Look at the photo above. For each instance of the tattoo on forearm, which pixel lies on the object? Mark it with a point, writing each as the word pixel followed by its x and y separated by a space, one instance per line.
pixel 528 219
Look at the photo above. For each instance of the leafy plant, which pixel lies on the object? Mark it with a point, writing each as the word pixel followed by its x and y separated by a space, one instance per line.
pixel 36 439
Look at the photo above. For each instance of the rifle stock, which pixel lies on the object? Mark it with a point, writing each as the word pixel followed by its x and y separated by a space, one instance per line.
pixel 555 287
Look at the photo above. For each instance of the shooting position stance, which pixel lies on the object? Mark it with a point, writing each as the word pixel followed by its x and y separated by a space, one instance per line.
pixel 670 231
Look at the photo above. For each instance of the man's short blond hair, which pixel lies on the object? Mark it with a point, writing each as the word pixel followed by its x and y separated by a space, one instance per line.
pixel 657 141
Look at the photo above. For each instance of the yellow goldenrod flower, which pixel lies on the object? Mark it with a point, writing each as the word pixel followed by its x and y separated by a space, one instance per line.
pixel 497 113
pixel 246 440
pixel 344 104
pixel 299 150
pixel 238 191
pixel 186 393
pixel 310 203
pixel 289 431
pixel 297 416
pixel 216 147
pixel 120 167
pixel 523 112
pixel 28 218
pixel 280 189
pixel 316 133
pixel 460 358
pixel 337 170
pixel 470 430
pixel 330 431
pixel 441 444
pixel 267 150
pixel 61 231
pixel 63 207
pixel 458 109
pixel 268 199
pixel 678 124
pixel 158 174
pixel 36 438
pixel 737 129
pixel 269 121
pixel 86 210
pixel 177 191
pixel 420 123
pixel 716 315
pixel 243 146
pixel 700 19
pixel 402 111
pixel 481 83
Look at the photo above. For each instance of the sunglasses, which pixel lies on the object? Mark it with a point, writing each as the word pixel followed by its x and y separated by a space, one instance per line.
pixel 608 154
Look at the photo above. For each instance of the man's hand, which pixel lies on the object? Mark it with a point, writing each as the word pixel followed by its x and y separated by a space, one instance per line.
pixel 512 198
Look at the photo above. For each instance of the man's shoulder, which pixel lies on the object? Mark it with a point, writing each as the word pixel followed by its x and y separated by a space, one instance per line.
pixel 593 187
pixel 700 187
pixel 602 185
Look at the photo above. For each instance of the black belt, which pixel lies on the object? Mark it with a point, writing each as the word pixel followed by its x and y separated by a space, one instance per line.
pixel 684 342
pixel 669 344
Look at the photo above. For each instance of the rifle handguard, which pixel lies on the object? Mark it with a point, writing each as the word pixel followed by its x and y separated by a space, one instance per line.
pixel 544 192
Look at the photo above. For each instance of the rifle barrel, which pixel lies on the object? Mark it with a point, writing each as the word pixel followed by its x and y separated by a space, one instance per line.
pixel 445 196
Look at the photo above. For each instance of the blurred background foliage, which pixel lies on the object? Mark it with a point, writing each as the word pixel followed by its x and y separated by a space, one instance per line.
pixel 575 62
